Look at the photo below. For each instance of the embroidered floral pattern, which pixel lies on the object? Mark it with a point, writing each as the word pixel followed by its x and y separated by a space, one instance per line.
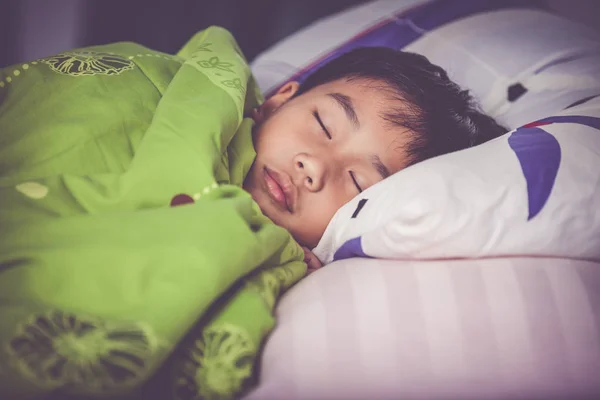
pixel 216 366
pixel 204 47
pixel 88 63
pixel 214 62
pixel 234 84
pixel 81 354
pixel 270 283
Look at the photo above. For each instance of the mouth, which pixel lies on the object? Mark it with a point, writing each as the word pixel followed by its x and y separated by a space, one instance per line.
pixel 278 189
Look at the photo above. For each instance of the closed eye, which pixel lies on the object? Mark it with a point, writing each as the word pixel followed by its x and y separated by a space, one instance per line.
pixel 318 118
pixel 355 182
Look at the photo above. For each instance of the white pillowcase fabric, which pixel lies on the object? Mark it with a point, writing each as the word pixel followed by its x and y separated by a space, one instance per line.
pixel 555 59
pixel 519 328
pixel 532 192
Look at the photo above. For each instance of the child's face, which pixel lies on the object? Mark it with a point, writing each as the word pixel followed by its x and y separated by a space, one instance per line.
pixel 301 176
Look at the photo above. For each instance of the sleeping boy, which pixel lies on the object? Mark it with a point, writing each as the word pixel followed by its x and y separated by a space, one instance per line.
pixel 360 118
pixel 149 202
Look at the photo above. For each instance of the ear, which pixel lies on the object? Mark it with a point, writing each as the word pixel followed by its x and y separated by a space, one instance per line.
pixel 284 93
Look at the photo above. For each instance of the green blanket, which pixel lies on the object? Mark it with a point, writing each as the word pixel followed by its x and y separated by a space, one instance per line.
pixel 132 264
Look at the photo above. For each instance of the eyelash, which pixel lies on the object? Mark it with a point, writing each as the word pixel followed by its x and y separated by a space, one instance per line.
pixel 318 118
pixel 355 182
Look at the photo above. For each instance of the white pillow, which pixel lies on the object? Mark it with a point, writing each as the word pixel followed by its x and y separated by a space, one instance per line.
pixel 555 60
pixel 296 52
pixel 534 191
pixel 466 329
pixel 487 46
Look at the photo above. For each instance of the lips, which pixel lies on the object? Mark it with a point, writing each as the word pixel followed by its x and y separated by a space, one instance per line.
pixel 279 191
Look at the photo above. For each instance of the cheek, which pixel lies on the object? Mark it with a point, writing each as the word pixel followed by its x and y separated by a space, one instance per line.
pixel 318 211
pixel 280 132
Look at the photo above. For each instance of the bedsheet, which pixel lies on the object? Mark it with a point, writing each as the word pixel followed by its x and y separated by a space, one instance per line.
pixel 503 328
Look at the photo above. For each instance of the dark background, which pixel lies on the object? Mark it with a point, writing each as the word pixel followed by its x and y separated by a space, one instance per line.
pixel 37 28
pixel 31 29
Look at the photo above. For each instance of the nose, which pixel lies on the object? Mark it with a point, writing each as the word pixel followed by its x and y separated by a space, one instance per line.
pixel 312 171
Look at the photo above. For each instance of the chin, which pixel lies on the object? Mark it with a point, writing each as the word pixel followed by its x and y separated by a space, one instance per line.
pixel 303 241
pixel 275 218
pixel 265 206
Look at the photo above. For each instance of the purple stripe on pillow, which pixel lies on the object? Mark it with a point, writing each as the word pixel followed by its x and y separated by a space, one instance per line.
pixel 395 34
pixel 581 101
pixel 352 248
pixel 562 61
pixel 539 155
pixel 403 28
pixel 593 122
pixel 390 33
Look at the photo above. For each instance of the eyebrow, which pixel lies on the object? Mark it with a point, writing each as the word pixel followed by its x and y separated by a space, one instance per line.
pixel 380 166
pixel 346 103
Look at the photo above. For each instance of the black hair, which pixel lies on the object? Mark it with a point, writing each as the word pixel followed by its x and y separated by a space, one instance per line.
pixel 443 116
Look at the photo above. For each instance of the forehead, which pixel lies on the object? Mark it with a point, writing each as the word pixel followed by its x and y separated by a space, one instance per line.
pixel 373 100
pixel 357 88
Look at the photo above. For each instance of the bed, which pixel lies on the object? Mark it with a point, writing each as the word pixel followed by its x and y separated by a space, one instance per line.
pixel 484 283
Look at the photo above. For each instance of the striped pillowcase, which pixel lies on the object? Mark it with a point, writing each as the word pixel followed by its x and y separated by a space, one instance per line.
pixel 520 328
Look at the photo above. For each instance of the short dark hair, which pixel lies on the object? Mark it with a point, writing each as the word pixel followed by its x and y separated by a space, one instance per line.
pixel 444 117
